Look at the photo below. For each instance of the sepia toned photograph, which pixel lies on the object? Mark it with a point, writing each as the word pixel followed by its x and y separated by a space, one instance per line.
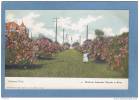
pixel 66 43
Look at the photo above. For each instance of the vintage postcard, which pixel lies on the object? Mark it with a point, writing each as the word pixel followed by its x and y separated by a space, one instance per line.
pixel 66 49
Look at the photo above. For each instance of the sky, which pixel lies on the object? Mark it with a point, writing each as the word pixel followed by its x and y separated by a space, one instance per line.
pixel 74 22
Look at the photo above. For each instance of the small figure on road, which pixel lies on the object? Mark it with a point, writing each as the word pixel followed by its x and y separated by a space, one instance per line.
pixel 85 56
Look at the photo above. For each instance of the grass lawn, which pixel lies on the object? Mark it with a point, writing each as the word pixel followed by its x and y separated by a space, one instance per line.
pixel 67 64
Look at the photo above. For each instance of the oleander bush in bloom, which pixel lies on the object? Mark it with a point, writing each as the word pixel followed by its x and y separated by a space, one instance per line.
pixel 46 47
pixel 19 49
pixel 112 50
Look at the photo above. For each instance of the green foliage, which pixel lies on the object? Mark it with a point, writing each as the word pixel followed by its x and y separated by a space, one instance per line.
pixel 66 43
pixel 99 33
pixel 10 55
pixel 125 66
pixel 115 46
pixel 24 61
pixel 75 44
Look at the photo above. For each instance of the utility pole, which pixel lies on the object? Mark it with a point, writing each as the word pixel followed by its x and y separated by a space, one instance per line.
pixel 63 35
pixel 31 35
pixel 56 28
pixel 87 32
pixel 80 39
pixel 71 39
pixel 67 38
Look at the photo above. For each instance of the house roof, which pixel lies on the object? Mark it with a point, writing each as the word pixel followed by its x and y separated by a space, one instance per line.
pixel 8 25
pixel 22 24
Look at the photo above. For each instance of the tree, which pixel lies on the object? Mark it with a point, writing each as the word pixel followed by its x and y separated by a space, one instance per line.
pixel 66 46
pixel 76 44
pixel 41 36
pixel 99 33
pixel 66 43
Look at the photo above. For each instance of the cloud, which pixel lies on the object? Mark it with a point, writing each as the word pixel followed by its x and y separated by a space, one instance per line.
pixel 64 22
pixel 29 20
pixel 108 31
pixel 79 25
pixel 92 36
pixel 88 19
pixel 10 17
pixel 123 29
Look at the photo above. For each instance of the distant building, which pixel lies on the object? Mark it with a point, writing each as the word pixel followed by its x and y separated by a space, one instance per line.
pixel 12 27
